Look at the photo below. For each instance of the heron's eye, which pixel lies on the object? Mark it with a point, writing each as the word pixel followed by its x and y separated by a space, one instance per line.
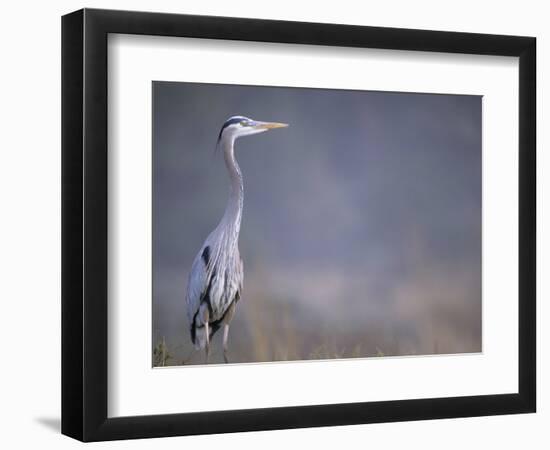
pixel 245 123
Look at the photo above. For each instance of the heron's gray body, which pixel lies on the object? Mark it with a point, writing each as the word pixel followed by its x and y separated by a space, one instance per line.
pixel 215 285
pixel 216 278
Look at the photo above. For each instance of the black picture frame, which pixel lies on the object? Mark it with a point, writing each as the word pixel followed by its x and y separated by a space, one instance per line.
pixel 84 224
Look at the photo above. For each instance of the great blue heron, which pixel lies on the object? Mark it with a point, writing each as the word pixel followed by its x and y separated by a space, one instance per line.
pixel 216 278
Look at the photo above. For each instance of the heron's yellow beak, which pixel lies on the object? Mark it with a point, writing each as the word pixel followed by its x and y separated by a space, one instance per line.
pixel 271 125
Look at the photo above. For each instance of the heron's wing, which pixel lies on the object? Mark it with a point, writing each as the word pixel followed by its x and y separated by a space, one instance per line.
pixel 197 284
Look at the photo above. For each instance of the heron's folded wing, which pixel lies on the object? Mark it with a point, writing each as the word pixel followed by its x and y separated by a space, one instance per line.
pixel 196 285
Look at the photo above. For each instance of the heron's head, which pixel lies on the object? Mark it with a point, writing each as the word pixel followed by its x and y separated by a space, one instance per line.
pixel 238 126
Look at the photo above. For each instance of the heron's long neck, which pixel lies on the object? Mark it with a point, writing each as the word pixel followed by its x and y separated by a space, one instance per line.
pixel 234 208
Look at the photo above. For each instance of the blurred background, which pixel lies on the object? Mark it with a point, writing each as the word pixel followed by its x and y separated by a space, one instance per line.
pixel 361 231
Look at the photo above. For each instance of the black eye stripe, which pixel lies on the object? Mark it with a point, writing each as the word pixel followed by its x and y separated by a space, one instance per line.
pixel 231 121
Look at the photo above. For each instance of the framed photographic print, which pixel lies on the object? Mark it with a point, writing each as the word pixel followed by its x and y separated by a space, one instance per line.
pixel 273 224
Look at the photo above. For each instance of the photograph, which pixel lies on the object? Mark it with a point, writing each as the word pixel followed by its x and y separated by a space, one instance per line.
pixel 296 224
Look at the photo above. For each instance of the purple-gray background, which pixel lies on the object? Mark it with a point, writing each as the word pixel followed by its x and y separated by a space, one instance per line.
pixel 361 232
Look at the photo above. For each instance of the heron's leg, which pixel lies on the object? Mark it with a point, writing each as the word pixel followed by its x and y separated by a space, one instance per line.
pixel 205 315
pixel 225 336
pixel 207 347
pixel 226 321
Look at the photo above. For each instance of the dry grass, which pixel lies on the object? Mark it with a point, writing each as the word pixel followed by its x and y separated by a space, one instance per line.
pixel 268 328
